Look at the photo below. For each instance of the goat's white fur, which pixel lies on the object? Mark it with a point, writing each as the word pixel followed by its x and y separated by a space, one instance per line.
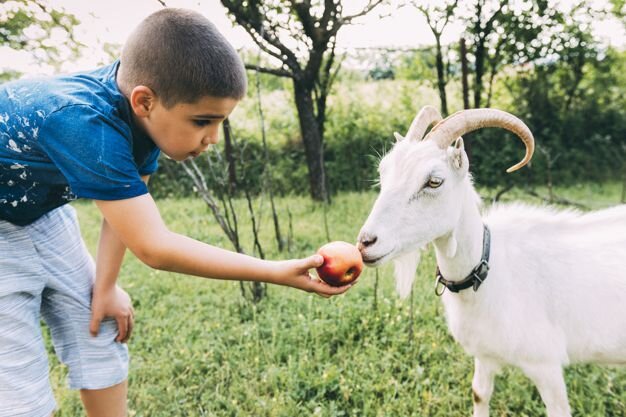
pixel 556 289
pixel 404 270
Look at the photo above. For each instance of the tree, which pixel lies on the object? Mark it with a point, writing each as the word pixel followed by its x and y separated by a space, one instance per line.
pixel 502 33
pixel 481 26
pixel 301 37
pixel 619 9
pixel 30 25
pixel 571 101
pixel 438 18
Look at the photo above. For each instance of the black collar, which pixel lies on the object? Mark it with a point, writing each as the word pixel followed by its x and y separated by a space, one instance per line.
pixel 475 278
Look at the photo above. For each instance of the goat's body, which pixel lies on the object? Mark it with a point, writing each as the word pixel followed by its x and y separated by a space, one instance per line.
pixel 564 272
pixel 556 289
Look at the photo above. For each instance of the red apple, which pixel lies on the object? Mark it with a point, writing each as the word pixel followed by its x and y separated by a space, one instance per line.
pixel 342 263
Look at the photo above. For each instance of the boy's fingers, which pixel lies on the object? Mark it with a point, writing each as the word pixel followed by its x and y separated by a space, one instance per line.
pixel 313 261
pixel 131 324
pixel 325 289
pixel 94 325
pixel 339 290
pixel 122 327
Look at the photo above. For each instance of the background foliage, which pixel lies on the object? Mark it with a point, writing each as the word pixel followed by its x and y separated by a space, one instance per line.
pixel 585 132
pixel 545 66
pixel 40 29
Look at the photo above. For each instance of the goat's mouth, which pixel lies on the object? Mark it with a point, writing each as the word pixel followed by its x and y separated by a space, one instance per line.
pixel 375 261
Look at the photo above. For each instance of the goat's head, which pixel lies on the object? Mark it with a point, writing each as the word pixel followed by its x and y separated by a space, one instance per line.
pixel 421 181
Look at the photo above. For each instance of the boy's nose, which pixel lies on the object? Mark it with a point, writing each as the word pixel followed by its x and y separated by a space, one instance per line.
pixel 206 140
pixel 211 138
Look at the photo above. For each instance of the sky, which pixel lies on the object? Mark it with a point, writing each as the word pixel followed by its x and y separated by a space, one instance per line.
pixel 112 21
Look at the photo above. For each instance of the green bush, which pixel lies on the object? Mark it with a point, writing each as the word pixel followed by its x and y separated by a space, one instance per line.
pixel 583 134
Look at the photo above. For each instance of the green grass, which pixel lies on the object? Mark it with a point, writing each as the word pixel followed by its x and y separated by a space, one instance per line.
pixel 199 350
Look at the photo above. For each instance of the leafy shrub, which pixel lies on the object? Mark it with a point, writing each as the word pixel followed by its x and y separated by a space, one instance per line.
pixel 583 135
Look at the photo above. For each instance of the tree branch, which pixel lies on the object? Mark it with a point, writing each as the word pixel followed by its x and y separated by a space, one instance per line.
pixel 489 24
pixel 67 28
pixel 372 4
pixel 303 11
pixel 250 17
pixel 272 71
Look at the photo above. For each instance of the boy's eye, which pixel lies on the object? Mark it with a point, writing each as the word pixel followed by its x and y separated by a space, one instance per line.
pixel 202 122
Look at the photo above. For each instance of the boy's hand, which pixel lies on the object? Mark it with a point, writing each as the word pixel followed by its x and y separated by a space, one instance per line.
pixel 116 303
pixel 295 273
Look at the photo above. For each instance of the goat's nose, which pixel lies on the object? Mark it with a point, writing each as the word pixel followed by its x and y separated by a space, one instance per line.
pixel 366 240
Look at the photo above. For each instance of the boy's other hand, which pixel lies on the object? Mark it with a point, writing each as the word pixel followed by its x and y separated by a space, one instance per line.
pixel 295 273
pixel 112 302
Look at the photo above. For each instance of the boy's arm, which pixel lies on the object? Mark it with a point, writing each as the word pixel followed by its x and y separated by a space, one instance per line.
pixel 138 224
pixel 108 299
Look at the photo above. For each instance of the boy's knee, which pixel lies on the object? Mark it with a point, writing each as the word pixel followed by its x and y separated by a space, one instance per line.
pixel 106 402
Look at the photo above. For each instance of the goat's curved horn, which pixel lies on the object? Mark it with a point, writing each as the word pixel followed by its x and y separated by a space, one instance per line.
pixel 426 117
pixel 465 121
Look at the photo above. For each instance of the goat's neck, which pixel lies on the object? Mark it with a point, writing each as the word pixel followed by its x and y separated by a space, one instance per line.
pixel 459 251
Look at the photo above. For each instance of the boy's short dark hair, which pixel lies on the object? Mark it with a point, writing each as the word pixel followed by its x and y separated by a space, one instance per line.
pixel 182 57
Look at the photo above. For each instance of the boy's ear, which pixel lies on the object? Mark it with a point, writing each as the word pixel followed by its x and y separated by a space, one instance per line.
pixel 142 100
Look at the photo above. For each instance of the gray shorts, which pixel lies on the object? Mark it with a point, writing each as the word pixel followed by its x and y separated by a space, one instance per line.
pixel 46 272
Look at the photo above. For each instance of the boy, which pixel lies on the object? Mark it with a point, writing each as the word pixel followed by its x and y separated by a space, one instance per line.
pixel 97 135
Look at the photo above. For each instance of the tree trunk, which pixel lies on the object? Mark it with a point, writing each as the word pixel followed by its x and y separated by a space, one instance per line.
pixel 441 78
pixel 464 74
pixel 464 78
pixel 312 140
pixel 230 158
pixel 492 77
pixel 480 71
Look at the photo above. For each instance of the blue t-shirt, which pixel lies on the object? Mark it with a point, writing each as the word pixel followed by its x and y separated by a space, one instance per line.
pixel 68 137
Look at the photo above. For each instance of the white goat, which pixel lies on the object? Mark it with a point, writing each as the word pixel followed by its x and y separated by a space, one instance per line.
pixel 555 292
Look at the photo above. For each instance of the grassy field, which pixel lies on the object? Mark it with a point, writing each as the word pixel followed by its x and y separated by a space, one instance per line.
pixel 199 350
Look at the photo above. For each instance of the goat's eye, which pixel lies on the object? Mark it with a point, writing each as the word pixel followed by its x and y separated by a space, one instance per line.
pixel 434 182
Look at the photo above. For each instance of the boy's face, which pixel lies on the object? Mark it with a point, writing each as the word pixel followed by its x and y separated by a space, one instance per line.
pixel 184 130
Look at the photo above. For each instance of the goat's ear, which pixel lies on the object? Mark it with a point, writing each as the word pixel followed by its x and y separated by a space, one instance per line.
pixel 458 149
pixel 458 143
pixel 398 136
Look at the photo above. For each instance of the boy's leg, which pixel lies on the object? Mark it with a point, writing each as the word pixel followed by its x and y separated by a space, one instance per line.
pixel 24 383
pixel 107 402
pixel 98 363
